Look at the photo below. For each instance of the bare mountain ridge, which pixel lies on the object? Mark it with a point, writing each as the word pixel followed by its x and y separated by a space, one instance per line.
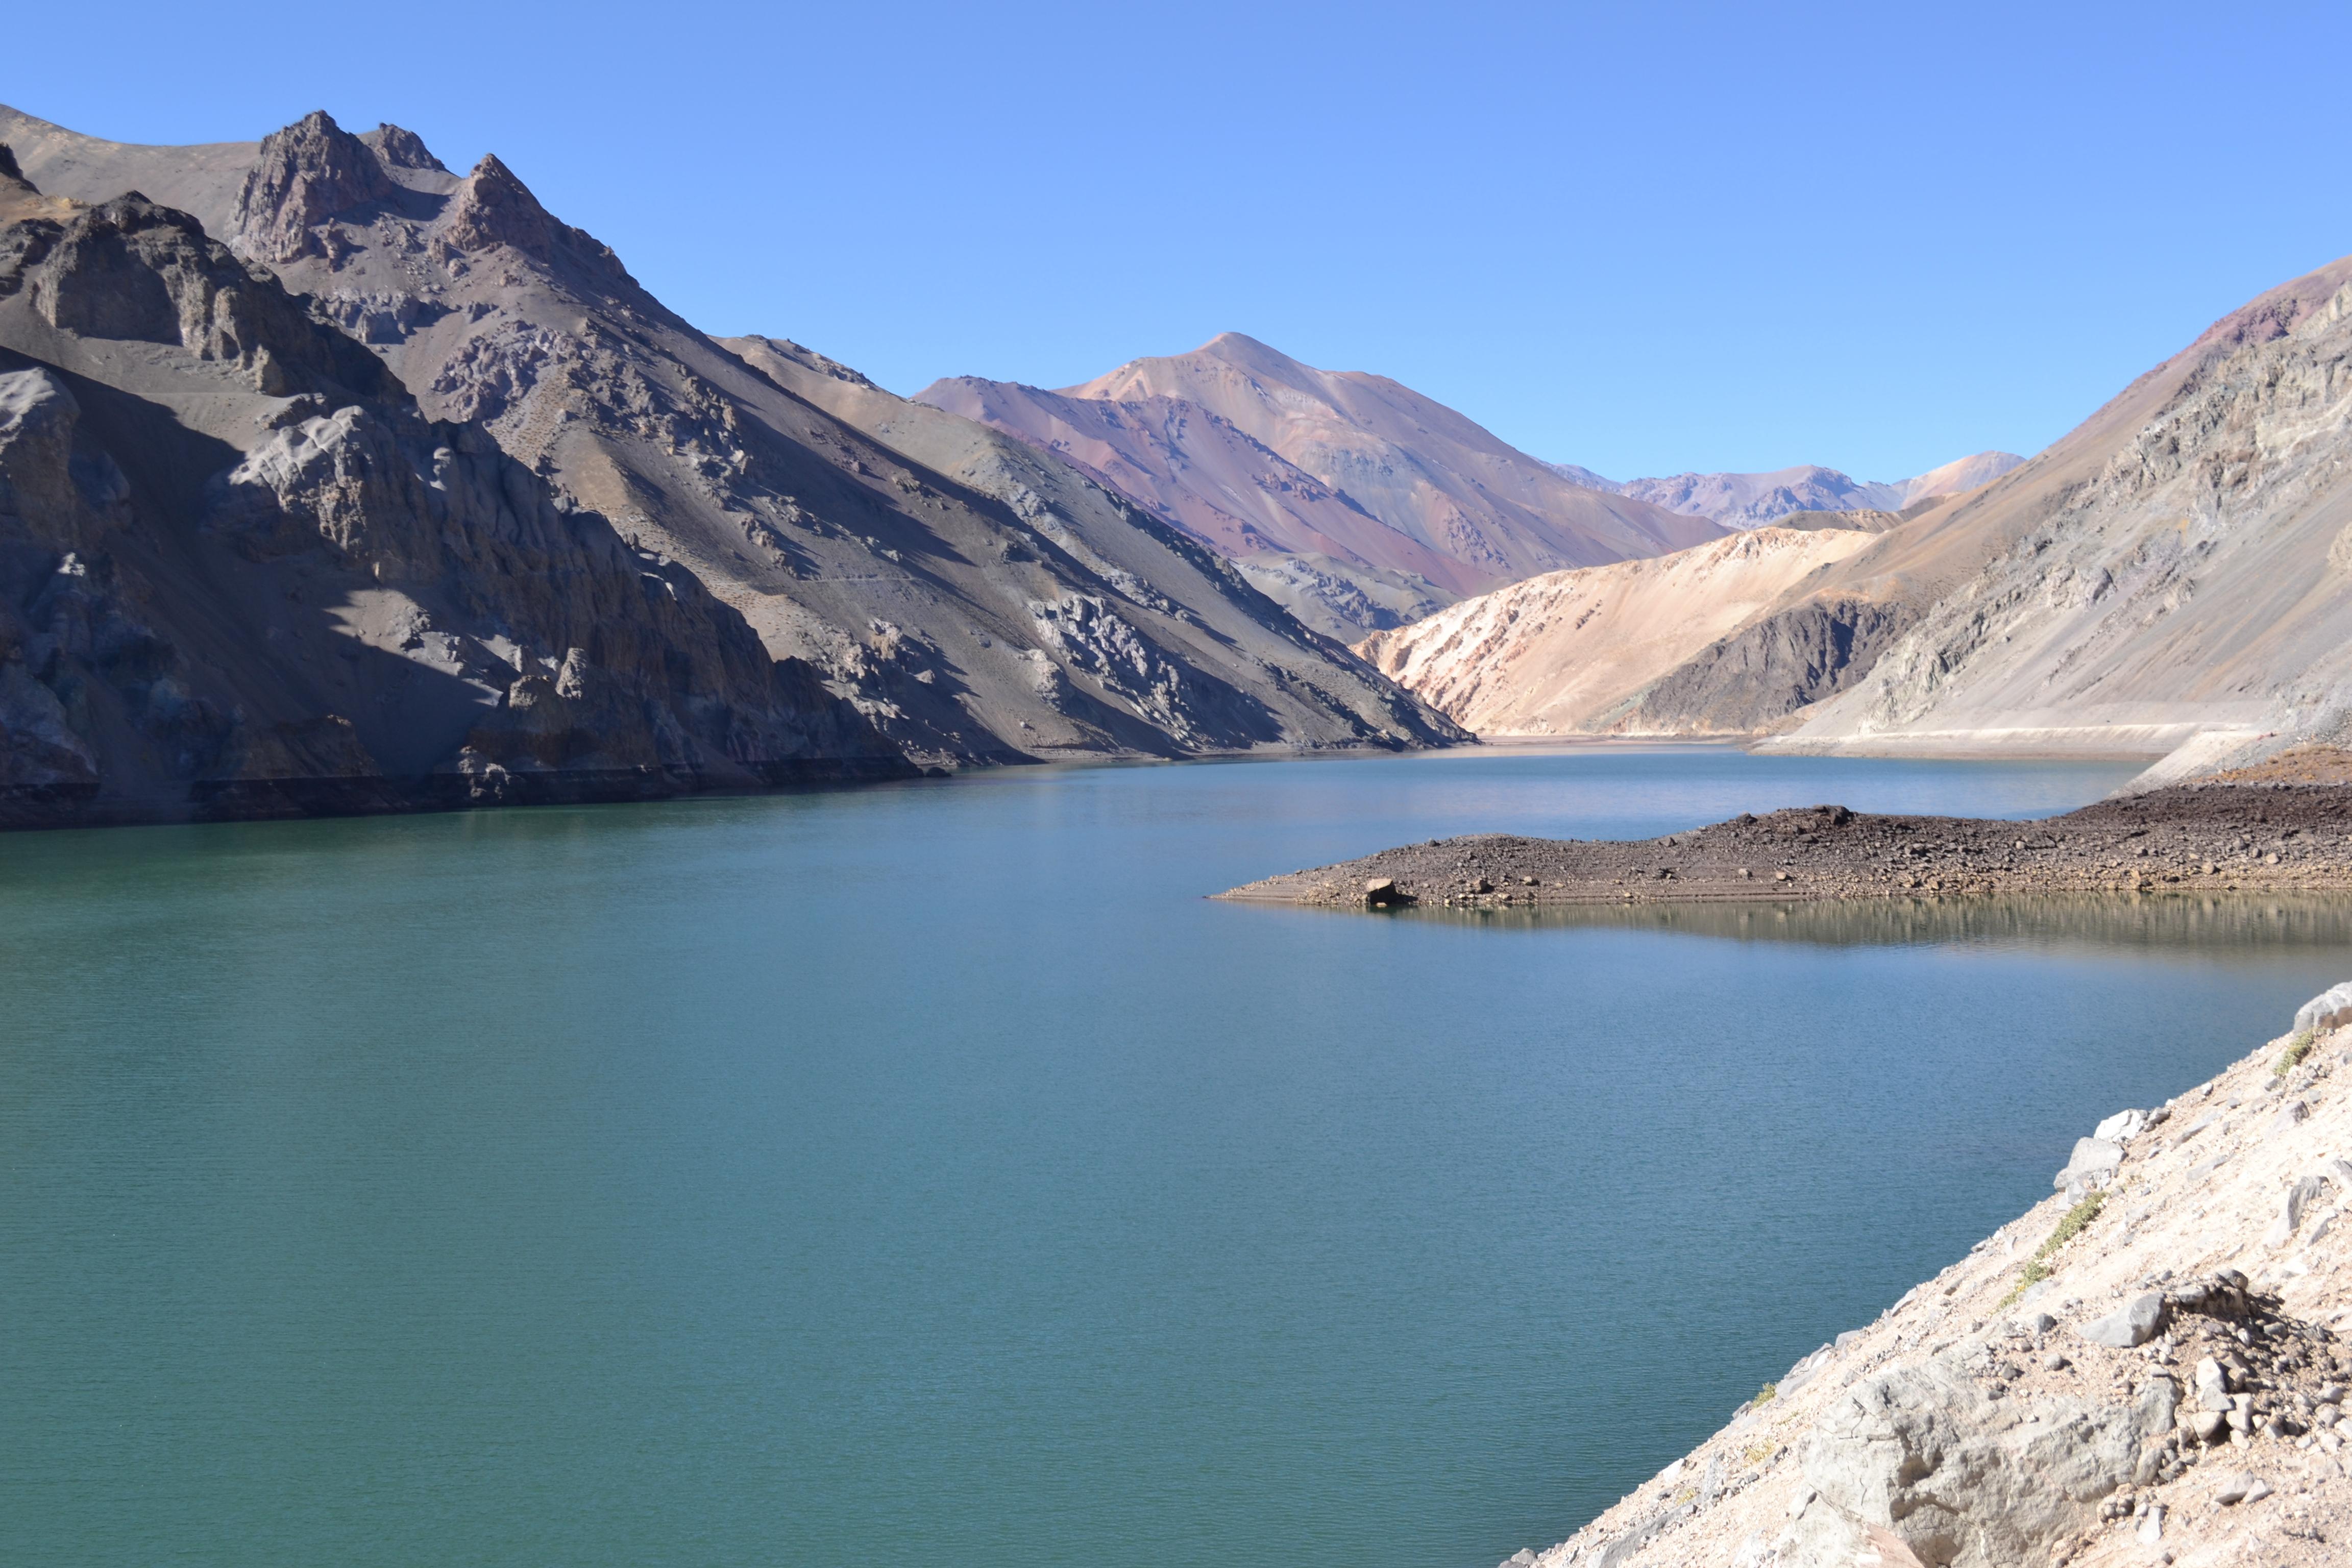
pixel 240 574
pixel 1359 477
pixel 961 627
pixel 1752 500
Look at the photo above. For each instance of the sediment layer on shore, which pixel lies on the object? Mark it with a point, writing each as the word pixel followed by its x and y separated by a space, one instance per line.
pixel 2148 1366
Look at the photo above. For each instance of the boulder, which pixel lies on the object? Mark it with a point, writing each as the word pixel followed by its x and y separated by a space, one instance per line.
pixel 1920 1455
pixel 2133 1324
pixel 2330 1009
pixel 2093 1162
pixel 2299 1198
pixel 2122 1127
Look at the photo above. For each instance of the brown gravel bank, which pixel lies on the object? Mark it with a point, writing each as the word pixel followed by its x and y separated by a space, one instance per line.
pixel 2253 835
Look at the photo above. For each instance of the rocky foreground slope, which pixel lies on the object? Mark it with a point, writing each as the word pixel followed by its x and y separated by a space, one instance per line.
pixel 2149 1366
pixel 964 628
pixel 242 573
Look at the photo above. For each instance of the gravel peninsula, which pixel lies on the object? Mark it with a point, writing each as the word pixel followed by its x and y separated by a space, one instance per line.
pixel 2285 827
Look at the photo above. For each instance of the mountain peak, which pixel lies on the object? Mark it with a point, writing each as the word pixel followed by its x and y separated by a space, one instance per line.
pixel 495 207
pixel 305 174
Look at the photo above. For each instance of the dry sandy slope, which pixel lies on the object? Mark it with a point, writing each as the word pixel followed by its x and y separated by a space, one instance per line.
pixel 1975 1427
pixel 1570 652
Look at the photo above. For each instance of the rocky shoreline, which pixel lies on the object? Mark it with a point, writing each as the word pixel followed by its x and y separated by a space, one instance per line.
pixel 2263 835
pixel 2149 1366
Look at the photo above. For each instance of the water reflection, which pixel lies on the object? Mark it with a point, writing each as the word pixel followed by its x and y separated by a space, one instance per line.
pixel 2053 921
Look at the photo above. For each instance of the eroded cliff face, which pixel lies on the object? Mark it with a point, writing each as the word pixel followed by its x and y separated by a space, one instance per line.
pixel 961 626
pixel 2148 1366
pixel 240 574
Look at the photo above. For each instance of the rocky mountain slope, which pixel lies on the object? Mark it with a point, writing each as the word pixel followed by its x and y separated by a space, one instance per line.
pixel 1202 605
pixel 1575 652
pixel 241 574
pixel 1752 500
pixel 2168 580
pixel 1371 499
pixel 965 630
pixel 2149 1366
pixel 2171 575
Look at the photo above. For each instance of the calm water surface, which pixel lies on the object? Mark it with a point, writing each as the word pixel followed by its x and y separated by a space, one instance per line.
pixel 930 1172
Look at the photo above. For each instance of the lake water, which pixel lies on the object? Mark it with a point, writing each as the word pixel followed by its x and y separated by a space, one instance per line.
pixel 930 1173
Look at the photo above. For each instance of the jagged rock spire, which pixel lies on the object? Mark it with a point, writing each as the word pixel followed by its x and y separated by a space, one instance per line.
pixel 308 172
pixel 493 207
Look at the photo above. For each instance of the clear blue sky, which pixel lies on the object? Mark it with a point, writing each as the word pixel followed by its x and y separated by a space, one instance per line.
pixel 1644 238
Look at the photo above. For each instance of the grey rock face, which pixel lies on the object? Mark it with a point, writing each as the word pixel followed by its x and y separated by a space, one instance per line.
pixel 2133 1324
pixel 2331 1008
pixel 1962 1480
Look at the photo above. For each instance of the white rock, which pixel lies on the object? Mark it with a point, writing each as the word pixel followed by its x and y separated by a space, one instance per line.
pixel 2329 1009
pixel 2151 1525
pixel 2093 1160
pixel 2122 1127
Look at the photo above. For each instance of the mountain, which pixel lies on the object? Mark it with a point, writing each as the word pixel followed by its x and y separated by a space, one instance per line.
pixel 1573 652
pixel 1750 500
pixel 1362 479
pixel 965 630
pixel 242 574
pixel 2169 576
pixel 2172 578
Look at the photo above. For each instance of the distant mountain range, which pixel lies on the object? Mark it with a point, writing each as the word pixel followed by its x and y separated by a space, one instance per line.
pixel 1752 500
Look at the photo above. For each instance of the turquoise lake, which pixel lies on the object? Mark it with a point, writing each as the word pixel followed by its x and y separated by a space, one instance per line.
pixel 930 1172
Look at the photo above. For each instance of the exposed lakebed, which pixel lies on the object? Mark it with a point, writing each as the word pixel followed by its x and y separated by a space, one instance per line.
pixel 932 1171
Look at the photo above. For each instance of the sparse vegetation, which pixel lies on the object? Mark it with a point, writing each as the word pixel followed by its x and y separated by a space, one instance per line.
pixel 1766 1395
pixel 2069 1227
pixel 2297 1049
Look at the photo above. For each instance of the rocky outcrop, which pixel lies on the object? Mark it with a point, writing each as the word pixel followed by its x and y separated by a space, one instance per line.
pixel 308 172
pixel 241 574
pixel 2152 1367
